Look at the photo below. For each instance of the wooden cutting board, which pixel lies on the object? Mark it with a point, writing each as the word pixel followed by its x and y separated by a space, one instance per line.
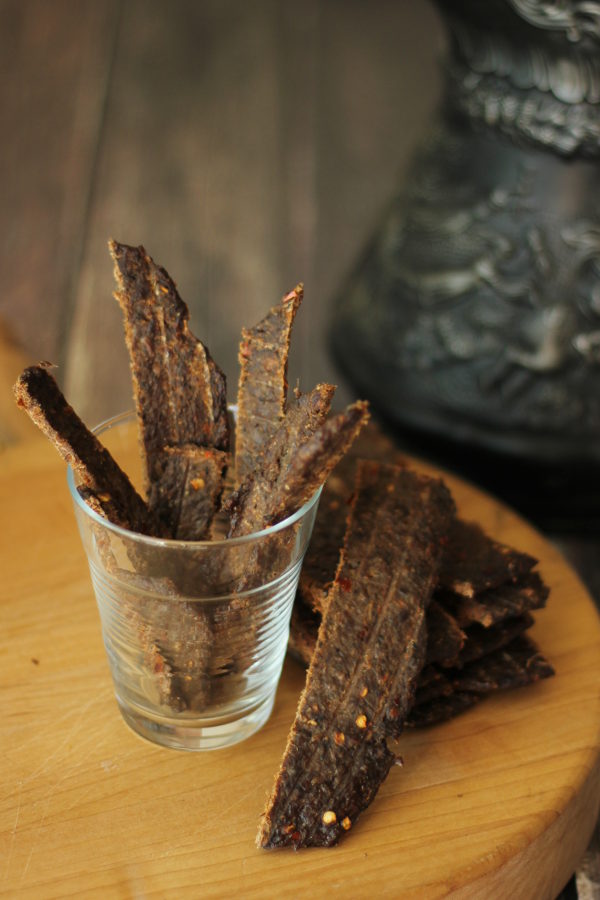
pixel 500 802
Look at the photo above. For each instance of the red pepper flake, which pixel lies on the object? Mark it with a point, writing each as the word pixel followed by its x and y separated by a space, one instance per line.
pixel 345 584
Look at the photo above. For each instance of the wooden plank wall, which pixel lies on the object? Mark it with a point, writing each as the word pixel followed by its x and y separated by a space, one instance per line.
pixel 247 145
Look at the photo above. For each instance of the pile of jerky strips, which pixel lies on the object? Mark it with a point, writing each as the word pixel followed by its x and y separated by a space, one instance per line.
pixel 405 614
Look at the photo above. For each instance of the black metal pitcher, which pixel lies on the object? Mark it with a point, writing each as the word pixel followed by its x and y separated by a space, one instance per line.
pixel 473 321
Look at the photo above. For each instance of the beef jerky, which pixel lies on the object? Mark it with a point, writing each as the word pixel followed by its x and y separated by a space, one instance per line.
pixel 445 639
pixel 520 662
pixel 495 604
pixel 436 681
pixel 177 649
pixel 179 390
pixel 320 562
pixel 322 556
pixel 480 641
pixel 441 709
pixel 474 562
pixel 263 386
pixel 188 490
pixel 361 680
pixel 517 664
pixel 287 481
pixel 102 483
pixel 249 505
pixel 304 630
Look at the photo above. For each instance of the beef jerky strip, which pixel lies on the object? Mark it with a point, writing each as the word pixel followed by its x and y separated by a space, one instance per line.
pixel 179 391
pixel 312 462
pixel 322 556
pixel 263 386
pixel 304 629
pixel 445 639
pixel 438 680
pixel 103 484
pixel 361 680
pixel 176 649
pixel 249 505
pixel 481 641
pixel 475 562
pixel 492 606
pixel 186 499
pixel 518 664
pixel 107 489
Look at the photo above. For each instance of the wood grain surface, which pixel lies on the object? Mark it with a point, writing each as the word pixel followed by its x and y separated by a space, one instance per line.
pixel 248 146
pixel 498 803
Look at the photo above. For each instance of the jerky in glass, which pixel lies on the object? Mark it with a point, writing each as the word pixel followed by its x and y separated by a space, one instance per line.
pixel 195 631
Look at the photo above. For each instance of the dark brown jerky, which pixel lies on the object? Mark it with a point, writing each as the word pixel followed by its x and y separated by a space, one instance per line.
pixel 518 664
pixel 361 679
pixel 445 639
pixel 441 709
pixel 263 386
pixel 250 503
pixel 322 556
pixel 179 390
pixel 304 629
pixel 188 490
pixel 481 641
pixel 436 680
pixel 320 562
pixel 289 479
pixel 505 601
pixel 174 634
pixel 475 562
pixel 103 483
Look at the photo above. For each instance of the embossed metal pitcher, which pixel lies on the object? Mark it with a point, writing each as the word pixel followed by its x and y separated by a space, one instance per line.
pixel 474 317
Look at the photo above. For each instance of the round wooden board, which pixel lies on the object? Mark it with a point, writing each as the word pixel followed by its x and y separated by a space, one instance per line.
pixel 500 802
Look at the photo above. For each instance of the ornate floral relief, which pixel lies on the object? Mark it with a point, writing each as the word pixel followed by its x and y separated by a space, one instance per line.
pixel 479 302
pixel 577 18
pixel 491 296
pixel 528 89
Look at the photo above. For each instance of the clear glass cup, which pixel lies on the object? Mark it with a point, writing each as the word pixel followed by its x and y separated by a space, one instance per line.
pixel 195 631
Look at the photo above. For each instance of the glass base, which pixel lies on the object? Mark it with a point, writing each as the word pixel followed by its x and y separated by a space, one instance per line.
pixel 194 734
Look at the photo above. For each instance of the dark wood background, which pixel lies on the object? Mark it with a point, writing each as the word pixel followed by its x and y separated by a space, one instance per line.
pixel 247 145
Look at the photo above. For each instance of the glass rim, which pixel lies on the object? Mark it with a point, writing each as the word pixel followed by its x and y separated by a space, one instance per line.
pixel 151 540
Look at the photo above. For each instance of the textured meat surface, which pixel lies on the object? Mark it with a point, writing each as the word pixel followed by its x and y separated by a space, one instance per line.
pixel 445 639
pixel 188 490
pixel 517 664
pixel 474 562
pixel 492 606
pixel 263 385
pixel 179 391
pixel 291 473
pixel 104 485
pixel 361 679
pixel 250 505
